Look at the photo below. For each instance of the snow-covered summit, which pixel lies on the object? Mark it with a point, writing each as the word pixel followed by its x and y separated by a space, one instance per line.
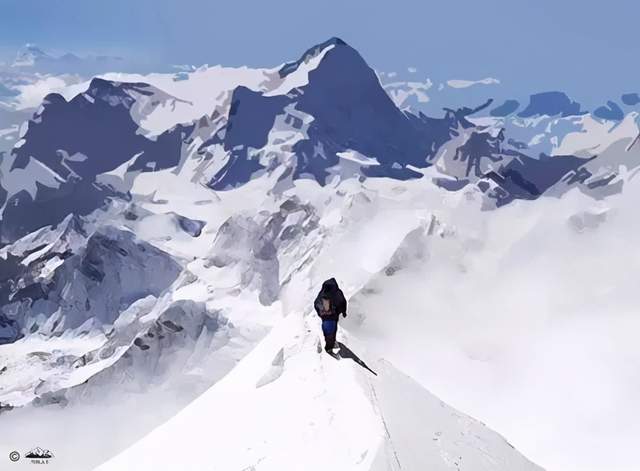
pixel 29 55
pixel 311 53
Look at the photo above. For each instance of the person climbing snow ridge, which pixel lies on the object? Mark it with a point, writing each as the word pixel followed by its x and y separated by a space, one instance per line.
pixel 329 304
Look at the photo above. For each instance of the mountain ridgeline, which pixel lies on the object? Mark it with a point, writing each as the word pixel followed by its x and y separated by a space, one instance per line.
pixel 307 120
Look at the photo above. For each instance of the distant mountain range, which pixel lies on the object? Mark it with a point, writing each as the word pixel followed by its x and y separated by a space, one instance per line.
pixel 33 58
pixel 323 116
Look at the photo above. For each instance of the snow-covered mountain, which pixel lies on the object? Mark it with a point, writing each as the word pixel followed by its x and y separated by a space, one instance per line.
pixel 162 238
pixel 29 56
pixel 52 171
pixel 322 116
pixel 33 74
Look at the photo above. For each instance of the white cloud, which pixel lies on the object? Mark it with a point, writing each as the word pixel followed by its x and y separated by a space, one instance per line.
pixel 400 92
pixel 32 94
pixel 412 70
pixel 470 83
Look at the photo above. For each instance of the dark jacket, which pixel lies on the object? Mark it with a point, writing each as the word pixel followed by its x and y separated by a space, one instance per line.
pixel 337 302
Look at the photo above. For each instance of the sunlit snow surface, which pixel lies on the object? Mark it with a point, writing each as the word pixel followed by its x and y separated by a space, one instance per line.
pixel 319 411
pixel 522 317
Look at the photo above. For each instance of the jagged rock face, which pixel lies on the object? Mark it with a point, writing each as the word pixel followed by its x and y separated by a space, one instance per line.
pixel 154 342
pixel 67 278
pixel 183 336
pixel 27 265
pixel 9 330
pixel 94 133
pixel 75 141
pixel 100 304
pixel 251 117
pixel 24 214
pixel 352 111
pixel 348 110
pixel 193 227
pixel 88 125
pixel 500 170
pixel 3 192
pixel 258 245
pixel 530 178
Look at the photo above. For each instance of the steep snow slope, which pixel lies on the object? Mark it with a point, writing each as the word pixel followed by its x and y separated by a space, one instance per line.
pixel 288 405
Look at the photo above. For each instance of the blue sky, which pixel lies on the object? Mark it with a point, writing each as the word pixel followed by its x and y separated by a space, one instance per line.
pixel 585 47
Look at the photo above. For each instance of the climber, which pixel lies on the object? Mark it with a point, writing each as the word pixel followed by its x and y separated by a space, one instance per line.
pixel 329 304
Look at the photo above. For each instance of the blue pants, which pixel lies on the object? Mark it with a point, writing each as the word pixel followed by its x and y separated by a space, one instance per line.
pixel 329 329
